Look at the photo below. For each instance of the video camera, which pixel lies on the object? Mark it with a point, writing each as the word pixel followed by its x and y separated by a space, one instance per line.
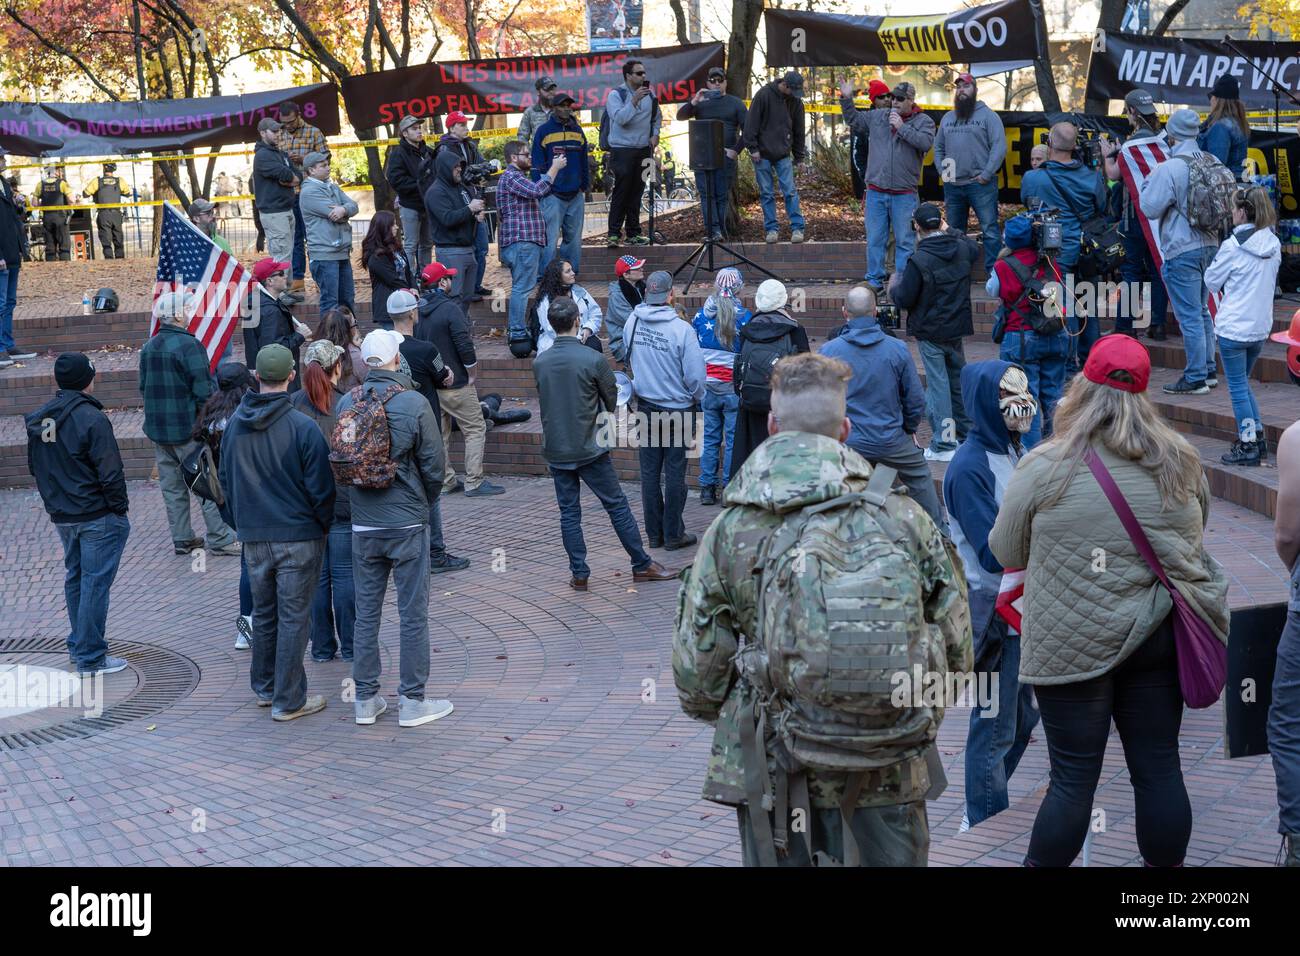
pixel 476 174
pixel 889 316
pixel 1087 147
pixel 1048 235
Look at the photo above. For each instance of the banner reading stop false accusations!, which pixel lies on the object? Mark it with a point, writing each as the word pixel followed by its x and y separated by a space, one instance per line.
pixel 1182 71
pixel 112 129
pixel 508 85
pixel 993 33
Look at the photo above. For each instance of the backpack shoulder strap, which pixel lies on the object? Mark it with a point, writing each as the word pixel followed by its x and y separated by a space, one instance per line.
pixel 880 485
pixel 1064 195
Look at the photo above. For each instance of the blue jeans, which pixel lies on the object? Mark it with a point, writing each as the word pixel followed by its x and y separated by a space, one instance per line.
pixel 715 186
pixel 1138 266
pixel 437 546
pixel 599 476
pixel 883 212
pixel 1284 722
pixel 299 256
pixel 943 363
pixel 333 609
pixel 8 299
pixel 92 551
pixel 283 575
pixel 960 200
pixel 1238 359
pixel 1184 277
pixel 334 277
pixel 564 219
pixel 524 261
pixel 719 429
pixel 663 481
pixel 996 742
pixel 405 554
pixel 778 174
pixel 1043 359
pixel 245 588
pixel 480 255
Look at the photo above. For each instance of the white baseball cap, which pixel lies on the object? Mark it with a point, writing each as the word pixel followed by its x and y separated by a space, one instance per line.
pixel 401 301
pixel 380 347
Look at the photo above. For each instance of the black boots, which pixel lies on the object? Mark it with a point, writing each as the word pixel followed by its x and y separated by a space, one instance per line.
pixel 1245 453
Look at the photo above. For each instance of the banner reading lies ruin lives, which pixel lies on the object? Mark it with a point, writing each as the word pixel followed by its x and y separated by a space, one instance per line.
pixel 508 85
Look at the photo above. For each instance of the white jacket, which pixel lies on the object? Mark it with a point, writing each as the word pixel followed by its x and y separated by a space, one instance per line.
pixel 1247 274
pixel 589 316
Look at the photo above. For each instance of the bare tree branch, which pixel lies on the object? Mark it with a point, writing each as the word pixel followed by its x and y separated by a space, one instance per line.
pixel 59 50
pixel 385 40
pixel 501 30
pixel 1171 13
pixel 683 35
pixel 313 43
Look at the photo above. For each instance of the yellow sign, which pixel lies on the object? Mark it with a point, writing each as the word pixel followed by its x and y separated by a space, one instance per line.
pixel 914 39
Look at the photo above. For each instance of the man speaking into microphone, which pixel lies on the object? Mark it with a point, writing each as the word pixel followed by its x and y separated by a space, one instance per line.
pixel 634 122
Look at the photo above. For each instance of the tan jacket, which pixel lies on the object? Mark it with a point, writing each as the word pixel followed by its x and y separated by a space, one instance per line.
pixel 1090 599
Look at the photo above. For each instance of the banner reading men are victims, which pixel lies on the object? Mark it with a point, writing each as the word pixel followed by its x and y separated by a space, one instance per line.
pixel 110 129
pixel 508 85
pixel 993 33
pixel 1181 71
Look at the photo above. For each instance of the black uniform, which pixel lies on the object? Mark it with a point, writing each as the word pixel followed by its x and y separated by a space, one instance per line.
pixel 58 238
pixel 108 189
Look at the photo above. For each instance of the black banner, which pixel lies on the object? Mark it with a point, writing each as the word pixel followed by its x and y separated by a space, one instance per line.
pixel 993 33
pixel 1182 71
pixel 507 85
pixel 110 129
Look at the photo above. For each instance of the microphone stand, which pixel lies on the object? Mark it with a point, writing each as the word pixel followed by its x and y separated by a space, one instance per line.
pixel 1278 89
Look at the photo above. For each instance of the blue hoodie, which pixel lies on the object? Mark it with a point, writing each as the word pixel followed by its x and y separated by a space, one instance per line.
pixel 975 481
pixel 885 400
pixel 1073 189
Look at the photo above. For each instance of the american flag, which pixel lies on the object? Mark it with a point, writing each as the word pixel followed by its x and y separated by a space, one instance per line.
pixel 190 261
pixel 1011 597
pixel 1137 158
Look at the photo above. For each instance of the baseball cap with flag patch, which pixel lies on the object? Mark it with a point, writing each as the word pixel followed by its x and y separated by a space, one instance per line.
pixel 626 264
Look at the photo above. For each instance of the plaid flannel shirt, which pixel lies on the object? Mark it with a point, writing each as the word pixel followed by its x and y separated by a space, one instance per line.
pixel 175 382
pixel 301 141
pixel 520 211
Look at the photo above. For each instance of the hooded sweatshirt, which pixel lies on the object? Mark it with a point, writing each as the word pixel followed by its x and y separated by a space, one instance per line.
pixel 624 296
pixel 1245 268
pixel 719 361
pixel 667 364
pixel 79 474
pixel 326 240
pixel 885 400
pixel 275 471
pixel 448 202
pixel 1163 199
pixel 894 157
pixel 977 146
pixel 975 482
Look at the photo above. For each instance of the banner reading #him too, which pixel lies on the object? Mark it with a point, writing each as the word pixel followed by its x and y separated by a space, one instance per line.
pixel 508 85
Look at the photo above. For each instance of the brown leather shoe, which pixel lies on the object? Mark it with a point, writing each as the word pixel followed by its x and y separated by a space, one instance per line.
pixel 656 572
pixel 578 584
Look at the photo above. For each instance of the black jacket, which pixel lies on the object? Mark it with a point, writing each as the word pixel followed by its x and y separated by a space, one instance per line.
pixel 775 125
pixel 767 327
pixel 79 471
pixel 426 368
pixel 442 323
pixel 275 471
pixel 302 402
pixel 448 204
pixel 274 324
pixel 388 273
pixel 272 179
pixel 935 288
pixel 11 227
pixel 402 169
pixel 730 110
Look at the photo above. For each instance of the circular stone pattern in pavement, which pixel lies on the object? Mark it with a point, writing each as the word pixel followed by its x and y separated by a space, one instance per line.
pixel 43 701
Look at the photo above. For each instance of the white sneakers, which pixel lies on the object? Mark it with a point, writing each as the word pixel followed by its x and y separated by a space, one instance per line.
pixel 245 636
pixel 932 455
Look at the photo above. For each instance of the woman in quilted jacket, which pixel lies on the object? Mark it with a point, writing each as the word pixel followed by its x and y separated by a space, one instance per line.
pixel 1097 641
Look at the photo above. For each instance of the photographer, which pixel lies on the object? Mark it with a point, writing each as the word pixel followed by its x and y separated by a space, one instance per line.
pixel 565 209
pixel 934 287
pixel 1065 183
pixel 1029 338
pixel 634 121
pixel 523 231
pixel 456 212
pixel 774 136
pixel 457 141
pixel 715 103
pixel 898 141
pixel 1138 266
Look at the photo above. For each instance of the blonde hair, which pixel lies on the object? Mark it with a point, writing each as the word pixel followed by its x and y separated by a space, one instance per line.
pixel 1128 425
pixel 1229 109
pixel 1257 198
pixel 808 393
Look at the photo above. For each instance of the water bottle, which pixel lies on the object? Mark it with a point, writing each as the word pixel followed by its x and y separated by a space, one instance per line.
pixel 85 302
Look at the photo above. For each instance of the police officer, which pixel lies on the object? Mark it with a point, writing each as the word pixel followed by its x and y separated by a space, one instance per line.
pixel 56 192
pixel 108 189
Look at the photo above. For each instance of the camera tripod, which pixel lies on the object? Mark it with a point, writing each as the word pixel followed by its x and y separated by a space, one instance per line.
pixel 705 248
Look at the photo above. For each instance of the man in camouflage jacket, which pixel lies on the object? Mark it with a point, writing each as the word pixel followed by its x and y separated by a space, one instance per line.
pixel 805 462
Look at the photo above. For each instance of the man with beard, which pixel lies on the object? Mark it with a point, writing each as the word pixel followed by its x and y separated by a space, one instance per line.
pixel 539 112
pixel 204 215
pixel 969 149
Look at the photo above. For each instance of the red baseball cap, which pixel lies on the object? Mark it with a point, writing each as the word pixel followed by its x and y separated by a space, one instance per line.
pixel 456 117
pixel 877 88
pixel 626 264
pixel 435 271
pixel 1292 335
pixel 964 78
pixel 263 268
pixel 1119 353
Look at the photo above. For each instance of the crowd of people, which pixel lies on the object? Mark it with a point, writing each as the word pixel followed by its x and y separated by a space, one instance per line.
pixel 320 462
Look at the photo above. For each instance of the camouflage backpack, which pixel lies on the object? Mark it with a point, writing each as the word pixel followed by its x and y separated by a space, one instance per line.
pixel 1210 191
pixel 360 448
pixel 840 614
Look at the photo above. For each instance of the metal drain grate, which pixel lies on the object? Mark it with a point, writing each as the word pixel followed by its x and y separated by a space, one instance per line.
pixel 165 677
